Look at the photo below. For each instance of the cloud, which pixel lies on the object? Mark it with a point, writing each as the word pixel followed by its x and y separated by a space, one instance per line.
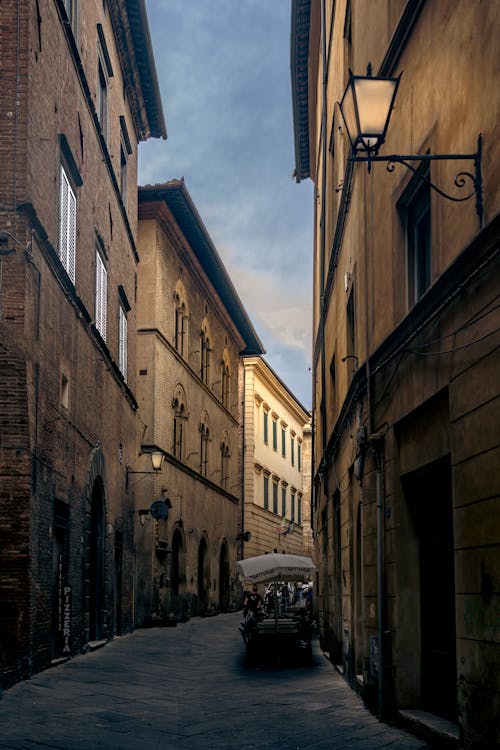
pixel 223 69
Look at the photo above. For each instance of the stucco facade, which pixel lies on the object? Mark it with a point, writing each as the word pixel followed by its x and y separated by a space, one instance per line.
pixel 276 469
pixel 191 332
pixel 405 358
pixel 72 113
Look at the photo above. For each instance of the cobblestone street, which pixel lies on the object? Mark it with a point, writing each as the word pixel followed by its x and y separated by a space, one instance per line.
pixel 187 688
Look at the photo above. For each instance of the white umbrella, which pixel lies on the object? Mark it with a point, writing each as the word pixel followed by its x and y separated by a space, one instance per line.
pixel 276 567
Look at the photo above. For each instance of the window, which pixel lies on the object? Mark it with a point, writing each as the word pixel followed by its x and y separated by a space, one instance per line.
pixel 275 435
pixel 283 442
pixel 70 6
pixel 224 448
pixel 418 239
pixel 180 330
pixel 333 383
pixel 204 438
pixel 67 225
pixel 122 342
pixel 204 356
pixel 123 310
pixel 266 426
pixel 299 510
pixel 225 380
pixel 292 450
pixel 293 506
pixel 123 175
pixel 125 152
pixel 283 501
pixel 266 492
pixel 101 291
pixel 180 418
pixel 102 98
pixel 275 497
pixel 299 456
pixel 64 390
pixel 104 72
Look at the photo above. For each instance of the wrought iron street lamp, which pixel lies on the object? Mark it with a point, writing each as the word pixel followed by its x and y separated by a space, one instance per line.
pixel 366 108
pixel 157 457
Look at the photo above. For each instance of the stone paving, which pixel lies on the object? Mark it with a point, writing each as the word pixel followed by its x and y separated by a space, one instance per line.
pixel 186 688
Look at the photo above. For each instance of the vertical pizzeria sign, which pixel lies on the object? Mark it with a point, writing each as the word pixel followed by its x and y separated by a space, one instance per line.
pixel 64 611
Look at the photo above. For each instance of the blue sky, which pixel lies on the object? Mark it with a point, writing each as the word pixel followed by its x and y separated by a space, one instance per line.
pixel 224 73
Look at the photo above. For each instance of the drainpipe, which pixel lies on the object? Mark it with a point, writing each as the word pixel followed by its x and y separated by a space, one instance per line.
pixel 378 449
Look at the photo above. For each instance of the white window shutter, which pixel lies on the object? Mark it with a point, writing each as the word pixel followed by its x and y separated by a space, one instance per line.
pixel 101 287
pixel 67 226
pixel 123 343
pixel 71 234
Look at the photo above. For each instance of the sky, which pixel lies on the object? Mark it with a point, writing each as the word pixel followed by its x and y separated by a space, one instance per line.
pixel 224 74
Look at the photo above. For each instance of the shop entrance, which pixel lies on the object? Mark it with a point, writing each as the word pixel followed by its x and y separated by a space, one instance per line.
pixel 429 494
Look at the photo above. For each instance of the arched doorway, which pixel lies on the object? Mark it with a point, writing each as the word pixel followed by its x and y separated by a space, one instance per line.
pixel 96 563
pixel 223 578
pixel 203 576
pixel 178 574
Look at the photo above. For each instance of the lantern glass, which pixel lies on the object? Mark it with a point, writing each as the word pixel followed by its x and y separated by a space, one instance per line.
pixel 157 460
pixel 366 108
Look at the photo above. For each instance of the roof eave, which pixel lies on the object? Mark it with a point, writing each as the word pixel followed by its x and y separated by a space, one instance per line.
pixel 299 51
pixel 180 203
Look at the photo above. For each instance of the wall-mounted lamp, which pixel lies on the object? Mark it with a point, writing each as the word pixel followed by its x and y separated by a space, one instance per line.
pixel 157 458
pixel 366 109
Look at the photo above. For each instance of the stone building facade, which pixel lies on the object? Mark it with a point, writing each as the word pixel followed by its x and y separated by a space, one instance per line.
pixel 74 106
pixel 192 329
pixel 276 465
pixel 406 358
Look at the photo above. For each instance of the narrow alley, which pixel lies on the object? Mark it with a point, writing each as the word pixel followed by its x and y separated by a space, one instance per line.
pixel 187 688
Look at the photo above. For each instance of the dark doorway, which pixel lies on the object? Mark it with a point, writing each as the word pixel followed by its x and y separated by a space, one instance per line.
pixel 430 495
pixel 223 579
pixel 177 571
pixel 59 577
pixel 96 560
pixel 118 580
pixel 203 576
pixel 337 650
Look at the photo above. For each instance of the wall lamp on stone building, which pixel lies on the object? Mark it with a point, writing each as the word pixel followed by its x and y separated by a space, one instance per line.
pixel 157 457
pixel 366 108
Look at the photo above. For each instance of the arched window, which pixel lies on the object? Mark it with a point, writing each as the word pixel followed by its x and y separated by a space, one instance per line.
pixel 205 351
pixel 204 441
pixel 180 319
pixel 225 380
pixel 225 456
pixel 179 422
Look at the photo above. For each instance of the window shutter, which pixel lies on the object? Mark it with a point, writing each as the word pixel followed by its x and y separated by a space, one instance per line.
pixel 67 228
pixel 71 234
pixel 101 295
pixel 123 353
